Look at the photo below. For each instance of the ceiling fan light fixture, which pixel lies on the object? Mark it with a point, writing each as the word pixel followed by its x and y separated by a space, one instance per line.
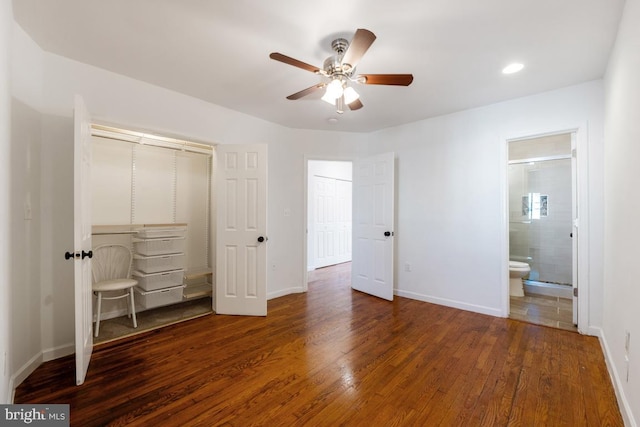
pixel 334 89
pixel 328 99
pixel 350 95
pixel 339 72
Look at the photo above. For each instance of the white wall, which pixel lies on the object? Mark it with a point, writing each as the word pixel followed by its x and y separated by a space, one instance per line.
pixel 118 100
pixel 451 210
pixel 6 24
pixel 451 198
pixel 24 237
pixel 622 210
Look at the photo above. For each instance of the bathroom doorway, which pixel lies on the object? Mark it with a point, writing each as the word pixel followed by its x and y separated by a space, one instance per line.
pixel 542 211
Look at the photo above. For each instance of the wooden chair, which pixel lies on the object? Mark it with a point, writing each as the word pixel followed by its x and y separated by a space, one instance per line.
pixel 111 269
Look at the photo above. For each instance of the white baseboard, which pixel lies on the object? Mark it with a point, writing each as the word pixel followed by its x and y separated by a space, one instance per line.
pixel 623 402
pixel 58 352
pixel 24 371
pixel 283 292
pixel 496 312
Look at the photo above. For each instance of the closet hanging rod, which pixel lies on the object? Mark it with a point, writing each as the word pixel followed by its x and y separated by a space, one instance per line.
pixel 107 132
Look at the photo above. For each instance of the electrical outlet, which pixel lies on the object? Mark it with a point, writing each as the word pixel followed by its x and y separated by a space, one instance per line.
pixel 407 266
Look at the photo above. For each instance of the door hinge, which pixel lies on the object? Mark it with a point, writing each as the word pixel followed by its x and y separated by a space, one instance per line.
pixel 575 292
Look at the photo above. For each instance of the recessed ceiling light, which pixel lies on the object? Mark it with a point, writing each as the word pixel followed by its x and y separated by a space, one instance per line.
pixel 512 68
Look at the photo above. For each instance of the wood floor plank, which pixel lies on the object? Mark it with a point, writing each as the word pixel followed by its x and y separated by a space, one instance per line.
pixel 334 356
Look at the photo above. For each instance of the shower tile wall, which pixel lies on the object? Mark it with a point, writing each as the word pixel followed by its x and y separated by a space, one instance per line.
pixel 544 243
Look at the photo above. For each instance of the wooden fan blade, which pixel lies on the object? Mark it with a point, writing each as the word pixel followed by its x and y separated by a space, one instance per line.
pixel 386 79
pixel 291 61
pixel 361 42
pixel 355 105
pixel 306 91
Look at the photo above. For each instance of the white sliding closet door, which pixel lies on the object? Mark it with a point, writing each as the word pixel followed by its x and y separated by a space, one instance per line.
pixel 332 224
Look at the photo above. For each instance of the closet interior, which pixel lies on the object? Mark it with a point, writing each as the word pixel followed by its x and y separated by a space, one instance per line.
pixel 154 195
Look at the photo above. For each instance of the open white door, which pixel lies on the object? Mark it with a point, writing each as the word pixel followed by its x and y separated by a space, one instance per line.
pixel 574 232
pixel 373 220
pixel 241 250
pixel 82 238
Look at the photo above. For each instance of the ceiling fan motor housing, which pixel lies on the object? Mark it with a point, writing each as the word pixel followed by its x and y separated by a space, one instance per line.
pixel 333 65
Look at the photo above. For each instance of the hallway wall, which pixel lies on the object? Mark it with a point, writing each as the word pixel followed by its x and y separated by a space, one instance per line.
pixel 6 25
pixel 622 209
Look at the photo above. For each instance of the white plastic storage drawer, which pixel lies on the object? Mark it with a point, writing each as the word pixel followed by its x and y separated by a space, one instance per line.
pixel 159 297
pixel 158 263
pixel 153 281
pixel 160 233
pixel 170 245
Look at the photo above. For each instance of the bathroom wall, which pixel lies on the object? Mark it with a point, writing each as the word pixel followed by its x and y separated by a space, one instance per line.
pixel 542 238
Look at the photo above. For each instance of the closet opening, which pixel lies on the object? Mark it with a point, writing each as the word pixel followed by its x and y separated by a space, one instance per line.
pixel 153 194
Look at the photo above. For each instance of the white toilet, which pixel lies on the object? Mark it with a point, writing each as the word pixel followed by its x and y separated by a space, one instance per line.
pixel 517 270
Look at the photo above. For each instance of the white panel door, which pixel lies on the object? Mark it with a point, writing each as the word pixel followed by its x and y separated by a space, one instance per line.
pixel 325 228
pixel 82 238
pixel 574 232
pixel 241 250
pixel 373 220
pixel 332 223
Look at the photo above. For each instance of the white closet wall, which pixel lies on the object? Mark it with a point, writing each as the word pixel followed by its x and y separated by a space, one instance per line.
pixel 153 185
pixel 143 184
pixel 111 176
pixel 193 201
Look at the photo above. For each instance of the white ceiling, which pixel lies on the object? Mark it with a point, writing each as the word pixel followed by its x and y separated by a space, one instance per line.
pixel 219 50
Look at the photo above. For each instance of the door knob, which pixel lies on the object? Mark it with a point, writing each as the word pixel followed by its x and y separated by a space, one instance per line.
pixel 262 239
pixel 87 254
pixel 388 233
pixel 69 255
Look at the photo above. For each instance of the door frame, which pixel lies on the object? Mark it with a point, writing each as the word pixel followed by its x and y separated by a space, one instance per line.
pixel 582 210
pixel 305 210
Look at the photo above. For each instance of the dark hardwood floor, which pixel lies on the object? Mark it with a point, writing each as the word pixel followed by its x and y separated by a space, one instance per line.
pixel 333 357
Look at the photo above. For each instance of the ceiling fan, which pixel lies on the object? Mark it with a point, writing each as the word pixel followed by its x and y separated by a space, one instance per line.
pixel 340 71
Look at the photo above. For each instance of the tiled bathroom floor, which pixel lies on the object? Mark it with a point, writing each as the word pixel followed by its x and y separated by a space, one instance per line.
pixel 543 310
